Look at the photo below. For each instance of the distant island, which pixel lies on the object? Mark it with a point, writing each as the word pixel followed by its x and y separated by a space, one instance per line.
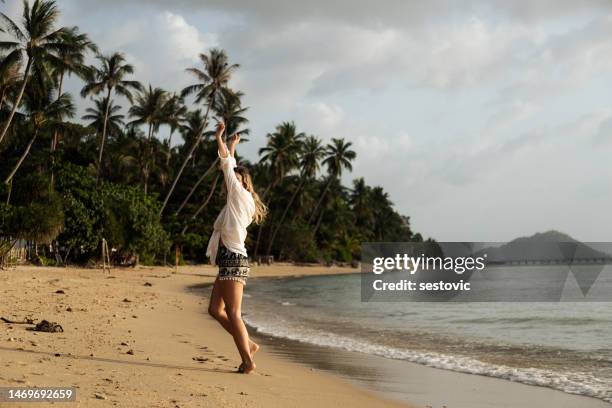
pixel 547 247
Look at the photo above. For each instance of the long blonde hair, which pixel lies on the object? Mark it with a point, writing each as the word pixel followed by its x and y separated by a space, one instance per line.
pixel 247 182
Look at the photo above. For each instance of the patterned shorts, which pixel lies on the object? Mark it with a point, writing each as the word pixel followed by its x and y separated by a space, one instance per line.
pixel 232 266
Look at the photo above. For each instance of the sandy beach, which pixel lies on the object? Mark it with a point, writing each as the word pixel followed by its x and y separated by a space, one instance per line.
pixel 140 338
pixel 107 316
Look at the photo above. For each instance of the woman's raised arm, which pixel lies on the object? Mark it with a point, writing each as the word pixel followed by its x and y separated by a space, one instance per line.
pixel 223 152
pixel 228 162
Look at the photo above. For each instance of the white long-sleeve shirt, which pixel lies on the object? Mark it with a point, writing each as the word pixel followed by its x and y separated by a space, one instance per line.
pixel 233 220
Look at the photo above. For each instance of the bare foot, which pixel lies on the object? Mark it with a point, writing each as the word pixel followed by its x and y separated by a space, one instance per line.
pixel 253 348
pixel 249 367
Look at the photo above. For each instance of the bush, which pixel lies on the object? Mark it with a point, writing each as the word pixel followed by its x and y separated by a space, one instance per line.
pixel 194 246
pixel 123 215
pixel 83 211
pixel 298 243
pixel 134 222
pixel 40 221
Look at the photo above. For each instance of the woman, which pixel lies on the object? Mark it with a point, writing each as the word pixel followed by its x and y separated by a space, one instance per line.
pixel 226 248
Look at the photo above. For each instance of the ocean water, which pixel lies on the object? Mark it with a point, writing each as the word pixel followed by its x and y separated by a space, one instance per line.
pixel 565 346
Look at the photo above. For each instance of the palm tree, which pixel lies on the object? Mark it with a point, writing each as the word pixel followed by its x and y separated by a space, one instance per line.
pixel 215 76
pixel 230 109
pixel 204 204
pixel 310 155
pixel 9 77
pixel 37 40
pixel 149 110
pixel 281 154
pixel 192 127
pixel 110 77
pixel 336 201
pixel 339 157
pixel 126 158
pixel 362 204
pixel 43 115
pixel 97 115
pixel 70 61
pixel 174 115
pixel 382 208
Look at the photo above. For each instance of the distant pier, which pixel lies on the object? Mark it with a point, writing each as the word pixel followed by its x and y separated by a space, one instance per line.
pixel 574 261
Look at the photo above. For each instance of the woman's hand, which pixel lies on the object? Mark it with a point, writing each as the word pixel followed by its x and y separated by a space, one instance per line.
pixel 220 127
pixel 234 140
pixel 220 144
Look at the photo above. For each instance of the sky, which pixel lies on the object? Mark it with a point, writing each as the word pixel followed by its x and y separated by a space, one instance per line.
pixel 484 120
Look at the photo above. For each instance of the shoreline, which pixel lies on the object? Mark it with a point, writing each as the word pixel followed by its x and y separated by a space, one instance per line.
pixel 421 385
pixel 102 327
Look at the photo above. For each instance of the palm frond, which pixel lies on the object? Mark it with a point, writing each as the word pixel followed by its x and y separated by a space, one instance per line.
pixel 13 28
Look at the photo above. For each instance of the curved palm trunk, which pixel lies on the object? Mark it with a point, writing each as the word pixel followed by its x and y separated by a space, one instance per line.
pixel 22 158
pixel 316 228
pixel 18 101
pixel 2 98
pixel 204 204
pixel 314 212
pixel 146 171
pixel 108 102
pixel 185 162
pixel 10 190
pixel 169 152
pixel 55 136
pixel 195 186
pixel 282 218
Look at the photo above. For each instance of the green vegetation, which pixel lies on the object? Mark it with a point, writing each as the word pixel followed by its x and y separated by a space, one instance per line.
pixel 72 182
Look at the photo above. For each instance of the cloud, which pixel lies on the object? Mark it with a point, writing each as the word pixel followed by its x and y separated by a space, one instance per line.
pixel 160 46
pixel 396 13
pixel 602 129
pixel 324 118
pixel 421 57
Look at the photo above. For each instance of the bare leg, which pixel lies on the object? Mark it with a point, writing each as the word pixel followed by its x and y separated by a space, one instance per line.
pixel 216 309
pixel 232 296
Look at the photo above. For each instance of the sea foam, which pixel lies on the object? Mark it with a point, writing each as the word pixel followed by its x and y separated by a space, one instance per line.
pixel 570 382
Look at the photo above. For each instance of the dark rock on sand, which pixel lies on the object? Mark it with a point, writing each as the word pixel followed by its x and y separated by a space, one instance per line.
pixel 49 327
